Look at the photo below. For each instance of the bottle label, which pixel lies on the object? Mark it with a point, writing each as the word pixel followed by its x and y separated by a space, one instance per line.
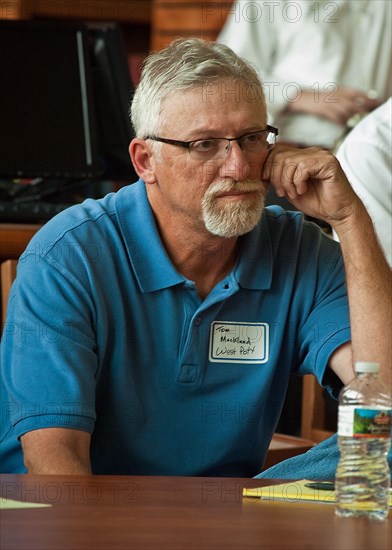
pixel 362 422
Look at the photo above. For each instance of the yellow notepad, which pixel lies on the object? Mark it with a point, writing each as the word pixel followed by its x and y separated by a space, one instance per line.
pixel 293 491
pixel 10 504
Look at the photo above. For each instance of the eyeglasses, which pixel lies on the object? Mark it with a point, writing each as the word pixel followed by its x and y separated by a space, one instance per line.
pixel 216 148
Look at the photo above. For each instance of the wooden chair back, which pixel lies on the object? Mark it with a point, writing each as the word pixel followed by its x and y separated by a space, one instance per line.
pixel 7 276
pixel 313 416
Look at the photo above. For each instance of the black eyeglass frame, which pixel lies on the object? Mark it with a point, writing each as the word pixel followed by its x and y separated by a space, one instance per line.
pixel 187 144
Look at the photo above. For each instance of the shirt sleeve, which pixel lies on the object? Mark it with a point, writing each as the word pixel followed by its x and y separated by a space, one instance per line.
pixel 48 349
pixel 367 165
pixel 326 326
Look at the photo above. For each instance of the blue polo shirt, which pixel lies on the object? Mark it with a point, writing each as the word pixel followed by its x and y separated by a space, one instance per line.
pixel 104 335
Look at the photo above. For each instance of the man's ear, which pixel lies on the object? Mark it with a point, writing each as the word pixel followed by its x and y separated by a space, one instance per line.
pixel 141 156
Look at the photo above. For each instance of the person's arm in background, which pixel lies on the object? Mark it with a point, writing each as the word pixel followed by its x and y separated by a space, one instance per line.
pixel 347 103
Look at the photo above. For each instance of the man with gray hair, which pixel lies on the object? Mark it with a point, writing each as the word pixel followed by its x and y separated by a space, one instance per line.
pixel 154 331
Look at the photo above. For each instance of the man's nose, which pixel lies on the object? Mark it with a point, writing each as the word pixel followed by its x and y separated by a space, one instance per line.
pixel 235 165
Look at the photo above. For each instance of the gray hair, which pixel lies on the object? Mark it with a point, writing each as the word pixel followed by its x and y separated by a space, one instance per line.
pixel 184 65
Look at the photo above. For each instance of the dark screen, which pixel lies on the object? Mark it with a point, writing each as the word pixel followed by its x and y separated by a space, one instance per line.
pixel 47 125
pixel 113 91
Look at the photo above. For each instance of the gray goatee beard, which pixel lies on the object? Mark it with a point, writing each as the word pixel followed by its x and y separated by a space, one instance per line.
pixel 233 218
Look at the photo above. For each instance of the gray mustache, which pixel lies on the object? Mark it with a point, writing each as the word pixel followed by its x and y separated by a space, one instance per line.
pixel 230 185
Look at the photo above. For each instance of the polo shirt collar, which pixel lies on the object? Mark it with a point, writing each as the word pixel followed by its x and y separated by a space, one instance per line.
pixel 255 266
pixel 153 267
pixel 150 262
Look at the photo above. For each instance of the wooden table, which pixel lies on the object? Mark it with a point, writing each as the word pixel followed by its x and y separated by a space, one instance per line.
pixel 169 513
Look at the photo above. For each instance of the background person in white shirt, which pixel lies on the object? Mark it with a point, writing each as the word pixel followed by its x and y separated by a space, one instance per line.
pixel 321 62
pixel 366 158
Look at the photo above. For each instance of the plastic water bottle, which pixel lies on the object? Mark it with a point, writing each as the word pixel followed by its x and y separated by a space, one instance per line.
pixel 364 436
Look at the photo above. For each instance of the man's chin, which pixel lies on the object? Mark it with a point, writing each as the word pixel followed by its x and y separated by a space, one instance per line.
pixel 234 220
pixel 230 233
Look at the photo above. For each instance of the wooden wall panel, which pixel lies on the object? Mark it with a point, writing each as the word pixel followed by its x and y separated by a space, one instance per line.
pixel 187 18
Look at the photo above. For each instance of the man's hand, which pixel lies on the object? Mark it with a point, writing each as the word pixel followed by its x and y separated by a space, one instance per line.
pixel 313 181
pixel 338 106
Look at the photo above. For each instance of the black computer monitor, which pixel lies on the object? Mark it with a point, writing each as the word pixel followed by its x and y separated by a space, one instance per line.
pixel 64 94
pixel 113 92
pixel 47 111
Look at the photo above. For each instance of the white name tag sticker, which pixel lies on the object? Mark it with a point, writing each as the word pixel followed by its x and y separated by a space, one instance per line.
pixel 232 342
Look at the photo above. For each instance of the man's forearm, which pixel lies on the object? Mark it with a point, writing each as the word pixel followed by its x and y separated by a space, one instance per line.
pixel 369 283
pixel 56 451
pixel 57 464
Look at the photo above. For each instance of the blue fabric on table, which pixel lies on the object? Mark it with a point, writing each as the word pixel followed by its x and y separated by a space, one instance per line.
pixel 318 463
